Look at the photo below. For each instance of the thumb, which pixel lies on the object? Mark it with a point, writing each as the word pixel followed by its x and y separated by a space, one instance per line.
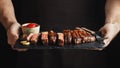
pixel 105 35
pixel 13 34
pixel 106 40
pixel 12 37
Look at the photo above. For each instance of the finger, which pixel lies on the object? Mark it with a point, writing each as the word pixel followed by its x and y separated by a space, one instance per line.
pixel 103 32
pixel 12 37
pixel 106 41
pixel 21 50
pixel 13 40
pixel 106 38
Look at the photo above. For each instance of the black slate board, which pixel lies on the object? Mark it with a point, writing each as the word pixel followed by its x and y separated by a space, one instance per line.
pixel 96 45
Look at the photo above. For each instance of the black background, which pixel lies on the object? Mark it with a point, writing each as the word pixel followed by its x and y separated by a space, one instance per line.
pixel 27 11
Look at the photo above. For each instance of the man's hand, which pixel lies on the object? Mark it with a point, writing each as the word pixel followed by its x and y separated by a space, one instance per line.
pixel 13 35
pixel 109 31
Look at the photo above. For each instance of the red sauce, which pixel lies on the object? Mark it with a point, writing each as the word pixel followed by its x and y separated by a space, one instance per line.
pixel 31 25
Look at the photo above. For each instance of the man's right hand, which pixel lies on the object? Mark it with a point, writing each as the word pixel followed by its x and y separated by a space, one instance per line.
pixel 13 35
